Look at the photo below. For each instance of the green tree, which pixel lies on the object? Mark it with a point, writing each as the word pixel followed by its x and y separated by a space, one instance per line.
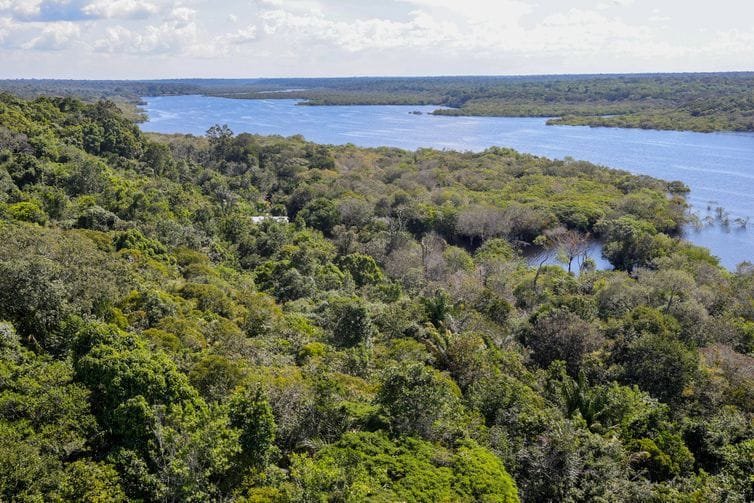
pixel 321 214
pixel 479 475
pixel 350 321
pixel 561 335
pixel 34 297
pixel 420 401
pixel 662 366
pixel 363 269
pixel 27 211
pixel 215 376
pixel 366 466
pixel 220 138
pixel 630 242
pixel 251 414
pixel 119 367
pixel 187 455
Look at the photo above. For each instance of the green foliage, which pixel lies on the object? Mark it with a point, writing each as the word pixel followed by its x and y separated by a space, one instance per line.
pixel 631 243
pixel 561 335
pixel 739 466
pixel 438 308
pixel 351 322
pixel 98 219
pixel 390 344
pixel 215 376
pixel 363 269
pixel 664 457
pixel 321 214
pixel 660 365
pixel 133 239
pixel 27 211
pixel 91 482
pixel 186 456
pixel 480 475
pixel 119 368
pixel 34 298
pixel 45 421
pixel 420 401
pixel 646 320
pixel 369 466
pixel 495 249
pixel 250 413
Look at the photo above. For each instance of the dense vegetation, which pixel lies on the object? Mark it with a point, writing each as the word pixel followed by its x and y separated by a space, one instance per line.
pixel 388 344
pixel 126 94
pixel 695 102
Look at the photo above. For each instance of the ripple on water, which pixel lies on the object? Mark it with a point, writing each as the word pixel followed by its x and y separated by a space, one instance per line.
pixel 716 166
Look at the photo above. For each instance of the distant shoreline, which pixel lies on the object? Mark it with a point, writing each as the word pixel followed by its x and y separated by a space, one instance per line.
pixel 701 102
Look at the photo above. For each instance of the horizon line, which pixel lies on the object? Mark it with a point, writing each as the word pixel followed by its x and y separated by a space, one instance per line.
pixel 437 76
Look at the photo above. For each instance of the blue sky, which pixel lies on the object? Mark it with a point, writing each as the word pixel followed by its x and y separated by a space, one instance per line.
pixel 269 38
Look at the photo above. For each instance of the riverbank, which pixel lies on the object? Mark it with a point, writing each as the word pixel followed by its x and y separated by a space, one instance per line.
pixel 716 167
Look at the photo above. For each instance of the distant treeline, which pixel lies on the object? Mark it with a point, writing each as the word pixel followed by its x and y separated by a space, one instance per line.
pixel 125 93
pixel 96 89
pixel 695 102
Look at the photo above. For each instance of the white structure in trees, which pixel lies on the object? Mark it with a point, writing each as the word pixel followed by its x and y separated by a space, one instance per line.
pixel 264 218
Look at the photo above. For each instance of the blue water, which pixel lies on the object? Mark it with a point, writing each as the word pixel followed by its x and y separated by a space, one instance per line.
pixel 718 167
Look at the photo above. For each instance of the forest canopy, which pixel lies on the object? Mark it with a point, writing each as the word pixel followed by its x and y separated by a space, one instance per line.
pixel 390 342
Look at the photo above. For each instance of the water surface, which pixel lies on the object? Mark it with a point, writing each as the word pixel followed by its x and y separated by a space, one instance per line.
pixel 718 167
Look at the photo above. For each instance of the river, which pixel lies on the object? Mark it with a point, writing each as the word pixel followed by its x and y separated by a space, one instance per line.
pixel 718 167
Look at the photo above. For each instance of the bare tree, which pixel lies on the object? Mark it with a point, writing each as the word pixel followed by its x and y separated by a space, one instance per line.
pixel 481 222
pixel 570 245
pixel 433 262
pixel 396 227
pixel 544 255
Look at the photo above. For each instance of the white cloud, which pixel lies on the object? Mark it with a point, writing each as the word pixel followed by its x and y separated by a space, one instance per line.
pixel 122 9
pixel 183 14
pixel 298 6
pixel 178 36
pixel 21 9
pixel 242 36
pixel 320 37
pixel 5 27
pixel 500 12
pixel 54 37
pixel 731 42
pixel 469 31
pixel 165 38
pixel 353 36
pixel 79 10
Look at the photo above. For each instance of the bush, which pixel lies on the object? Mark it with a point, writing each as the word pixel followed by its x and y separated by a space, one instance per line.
pixel 27 211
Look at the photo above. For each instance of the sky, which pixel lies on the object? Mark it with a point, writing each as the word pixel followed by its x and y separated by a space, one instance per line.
pixel 148 39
